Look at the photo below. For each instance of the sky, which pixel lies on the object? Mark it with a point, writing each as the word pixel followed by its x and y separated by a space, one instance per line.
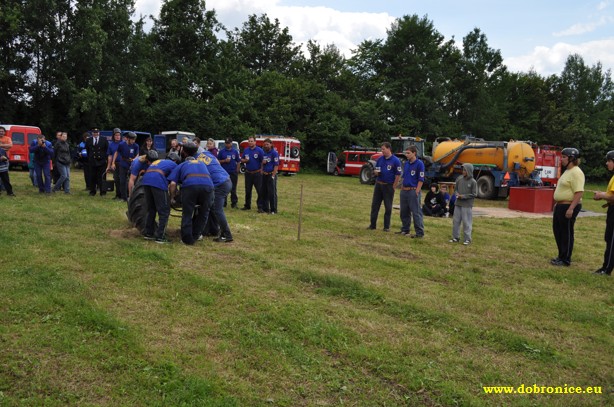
pixel 535 35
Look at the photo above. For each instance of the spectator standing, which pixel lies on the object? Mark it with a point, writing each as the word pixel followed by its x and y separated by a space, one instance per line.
pixel 608 196
pixel 252 158
pixel 466 190
pixel 413 178
pixel 83 160
pixel 231 162
pixel 97 147
pixel 113 160
pixel 43 151
pixel 4 172
pixel 55 172
pixel 270 165
pixel 196 190
pixel 387 171
pixel 568 198
pixel 5 143
pixel 211 147
pixel 62 162
pixel 126 152
pixel 147 146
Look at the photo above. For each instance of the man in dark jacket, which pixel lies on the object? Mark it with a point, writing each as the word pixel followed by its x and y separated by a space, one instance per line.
pixel 96 147
pixel 43 152
pixel 62 162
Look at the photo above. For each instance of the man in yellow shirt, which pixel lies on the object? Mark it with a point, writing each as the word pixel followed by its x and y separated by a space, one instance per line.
pixel 568 197
pixel 608 195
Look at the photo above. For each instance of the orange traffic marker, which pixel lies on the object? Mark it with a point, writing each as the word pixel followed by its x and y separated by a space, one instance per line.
pixel 507 176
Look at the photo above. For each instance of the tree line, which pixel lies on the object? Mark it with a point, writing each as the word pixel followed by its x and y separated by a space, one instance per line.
pixel 68 64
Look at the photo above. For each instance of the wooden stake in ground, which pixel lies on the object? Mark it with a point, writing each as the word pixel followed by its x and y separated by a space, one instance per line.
pixel 300 213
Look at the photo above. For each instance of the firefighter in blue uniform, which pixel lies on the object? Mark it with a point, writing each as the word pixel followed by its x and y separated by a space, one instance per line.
pixel 126 153
pixel 270 164
pixel 388 170
pixel 252 158
pixel 196 191
pixel 156 195
pixel 222 185
pixel 231 161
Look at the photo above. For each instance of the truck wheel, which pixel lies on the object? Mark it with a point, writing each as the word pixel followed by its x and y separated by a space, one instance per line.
pixel 367 174
pixel 137 207
pixel 486 187
pixel 294 153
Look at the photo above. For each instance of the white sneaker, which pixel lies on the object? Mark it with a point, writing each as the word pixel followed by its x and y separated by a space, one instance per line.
pixel 466 242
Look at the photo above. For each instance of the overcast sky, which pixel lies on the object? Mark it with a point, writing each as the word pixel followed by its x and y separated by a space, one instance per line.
pixel 535 34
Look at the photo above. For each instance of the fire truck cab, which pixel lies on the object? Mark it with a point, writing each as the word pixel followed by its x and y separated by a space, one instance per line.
pixel 288 148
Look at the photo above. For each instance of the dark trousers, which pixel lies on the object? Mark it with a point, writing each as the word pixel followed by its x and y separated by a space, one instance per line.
pixel 124 175
pixel 196 202
pixel 87 174
pixel 234 199
pixel 269 193
pixel 217 222
pixel 563 230
pixel 44 185
pixel 97 179
pixel 385 193
pixel 253 180
pixel 55 173
pixel 117 176
pixel 157 202
pixel 608 257
pixel 4 176
pixel 435 210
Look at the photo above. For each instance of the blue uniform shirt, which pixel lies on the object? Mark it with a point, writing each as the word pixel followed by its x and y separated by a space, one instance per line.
pixel 255 158
pixel 125 152
pixel 113 146
pixel 389 168
pixel 83 150
pixel 270 160
pixel 157 173
pixel 192 173
pixel 413 173
pixel 235 158
pixel 138 166
pixel 218 174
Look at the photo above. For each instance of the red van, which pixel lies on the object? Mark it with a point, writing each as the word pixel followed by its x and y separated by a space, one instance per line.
pixel 22 136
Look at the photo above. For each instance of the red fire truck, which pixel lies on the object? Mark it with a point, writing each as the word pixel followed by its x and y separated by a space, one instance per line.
pixel 350 161
pixel 548 163
pixel 289 149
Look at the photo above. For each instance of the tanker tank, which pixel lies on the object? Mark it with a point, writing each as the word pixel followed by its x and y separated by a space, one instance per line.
pixel 519 155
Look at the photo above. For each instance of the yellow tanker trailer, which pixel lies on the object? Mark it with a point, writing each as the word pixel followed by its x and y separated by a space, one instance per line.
pixel 497 164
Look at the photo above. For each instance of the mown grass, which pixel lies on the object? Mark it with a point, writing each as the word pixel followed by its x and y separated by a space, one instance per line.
pixel 91 314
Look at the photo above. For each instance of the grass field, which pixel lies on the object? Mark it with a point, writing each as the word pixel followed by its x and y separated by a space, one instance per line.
pixel 91 314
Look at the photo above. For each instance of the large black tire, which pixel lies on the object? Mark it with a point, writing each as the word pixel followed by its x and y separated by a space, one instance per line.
pixel 486 187
pixel 137 207
pixel 367 174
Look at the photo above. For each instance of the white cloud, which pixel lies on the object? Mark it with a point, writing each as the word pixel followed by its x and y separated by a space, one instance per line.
pixel 603 5
pixel 547 61
pixel 580 28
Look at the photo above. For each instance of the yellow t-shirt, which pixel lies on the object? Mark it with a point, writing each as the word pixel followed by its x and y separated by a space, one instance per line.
pixel 571 181
pixel 610 189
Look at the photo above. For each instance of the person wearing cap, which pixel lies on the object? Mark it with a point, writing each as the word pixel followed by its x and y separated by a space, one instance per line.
pixel 252 158
pixel 156 195
pixel 608 196
pixel 217 224
pixel 97 147
pixel 112 160
pixel 270 165
pixel 231 162
pixel 568 198
pixel 126 152
pixel 196 190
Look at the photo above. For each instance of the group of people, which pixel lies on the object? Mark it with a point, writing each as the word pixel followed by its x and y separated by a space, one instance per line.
pixel 410 178
pixel 206 178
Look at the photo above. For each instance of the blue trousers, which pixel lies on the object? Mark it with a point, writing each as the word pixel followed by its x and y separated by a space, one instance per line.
pixel 43 169
pixel 410 208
